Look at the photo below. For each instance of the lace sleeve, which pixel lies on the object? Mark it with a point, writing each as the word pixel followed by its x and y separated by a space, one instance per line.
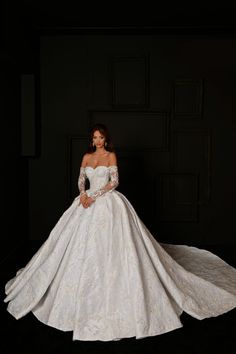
pixel 81 181
pixel 110 186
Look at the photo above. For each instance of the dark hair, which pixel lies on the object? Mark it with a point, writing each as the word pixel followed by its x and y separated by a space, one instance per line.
pixel 104 131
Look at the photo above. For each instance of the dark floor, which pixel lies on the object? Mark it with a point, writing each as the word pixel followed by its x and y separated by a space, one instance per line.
pixel 28 335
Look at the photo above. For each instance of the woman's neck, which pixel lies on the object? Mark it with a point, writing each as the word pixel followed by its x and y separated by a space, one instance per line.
pixel 100 151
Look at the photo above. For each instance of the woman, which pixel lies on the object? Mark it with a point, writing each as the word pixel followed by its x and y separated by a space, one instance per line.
pixel 102 275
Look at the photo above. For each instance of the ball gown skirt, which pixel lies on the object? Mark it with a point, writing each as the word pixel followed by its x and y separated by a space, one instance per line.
pixel 102 275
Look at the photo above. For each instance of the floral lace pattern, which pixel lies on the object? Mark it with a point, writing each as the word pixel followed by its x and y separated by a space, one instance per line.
pixel 81 180
pixel 108 187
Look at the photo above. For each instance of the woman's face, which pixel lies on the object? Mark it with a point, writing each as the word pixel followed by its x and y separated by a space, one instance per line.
pixel 98 139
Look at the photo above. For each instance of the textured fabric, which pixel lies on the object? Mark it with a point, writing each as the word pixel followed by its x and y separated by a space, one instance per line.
pixel 81 180
pixel 102 275
pixel 109 187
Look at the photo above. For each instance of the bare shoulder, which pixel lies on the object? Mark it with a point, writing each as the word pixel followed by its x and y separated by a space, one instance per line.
pixel 112 159
pixel 85 159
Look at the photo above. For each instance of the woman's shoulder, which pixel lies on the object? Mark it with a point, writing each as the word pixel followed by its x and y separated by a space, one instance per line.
pixel 87 155
pixel 112 158
pixel 85 158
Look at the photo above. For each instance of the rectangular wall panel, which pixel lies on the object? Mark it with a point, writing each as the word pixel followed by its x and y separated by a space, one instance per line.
pixel 130 82
pixel 136 130
pixel 188 99
pixel 178 197
pixel 28 115
pixel 192 153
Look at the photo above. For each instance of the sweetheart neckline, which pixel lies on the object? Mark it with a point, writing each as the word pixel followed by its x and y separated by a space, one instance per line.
pixel 94 168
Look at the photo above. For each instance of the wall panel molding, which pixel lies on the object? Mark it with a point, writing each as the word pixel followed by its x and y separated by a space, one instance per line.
pixel 178 197
pixel 130 82
pixel 188 99
pixel 192 153
pixel 136 130
pixel 28 115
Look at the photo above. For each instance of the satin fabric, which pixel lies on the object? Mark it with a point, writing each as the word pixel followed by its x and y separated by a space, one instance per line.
pixel 103 275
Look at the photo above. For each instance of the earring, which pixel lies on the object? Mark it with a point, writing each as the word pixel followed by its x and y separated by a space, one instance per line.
pixel 105 143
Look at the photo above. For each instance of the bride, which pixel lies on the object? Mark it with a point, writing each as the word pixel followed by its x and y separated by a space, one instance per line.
pixel 103 275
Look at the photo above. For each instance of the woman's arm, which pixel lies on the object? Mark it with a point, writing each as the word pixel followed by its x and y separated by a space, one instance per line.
pixel 110 186
pixel 81 182
pixel 82 175
pixel 114 179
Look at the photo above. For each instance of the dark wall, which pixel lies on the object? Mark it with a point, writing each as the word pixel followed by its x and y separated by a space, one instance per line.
pixel 14 169
pixel 17 57
pixel 169 102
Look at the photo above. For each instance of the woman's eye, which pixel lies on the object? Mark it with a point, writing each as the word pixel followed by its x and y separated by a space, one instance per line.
pixel 98 137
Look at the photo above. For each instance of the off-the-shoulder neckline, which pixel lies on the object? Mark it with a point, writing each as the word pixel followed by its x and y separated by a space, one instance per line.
pixel 94 168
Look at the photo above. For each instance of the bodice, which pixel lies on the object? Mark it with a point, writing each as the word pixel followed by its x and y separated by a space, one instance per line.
pixel 102 179
pixel 98 176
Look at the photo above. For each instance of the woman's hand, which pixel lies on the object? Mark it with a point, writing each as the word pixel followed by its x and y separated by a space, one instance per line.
pixel 88 202
pixel 85 200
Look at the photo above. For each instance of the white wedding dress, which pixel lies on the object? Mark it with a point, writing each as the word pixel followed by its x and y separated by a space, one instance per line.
pixel 102 275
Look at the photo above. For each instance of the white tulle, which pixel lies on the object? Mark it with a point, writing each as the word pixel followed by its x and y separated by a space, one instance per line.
pixel 102 275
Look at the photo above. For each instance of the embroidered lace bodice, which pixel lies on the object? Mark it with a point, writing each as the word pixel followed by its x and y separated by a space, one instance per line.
pixel 102 179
